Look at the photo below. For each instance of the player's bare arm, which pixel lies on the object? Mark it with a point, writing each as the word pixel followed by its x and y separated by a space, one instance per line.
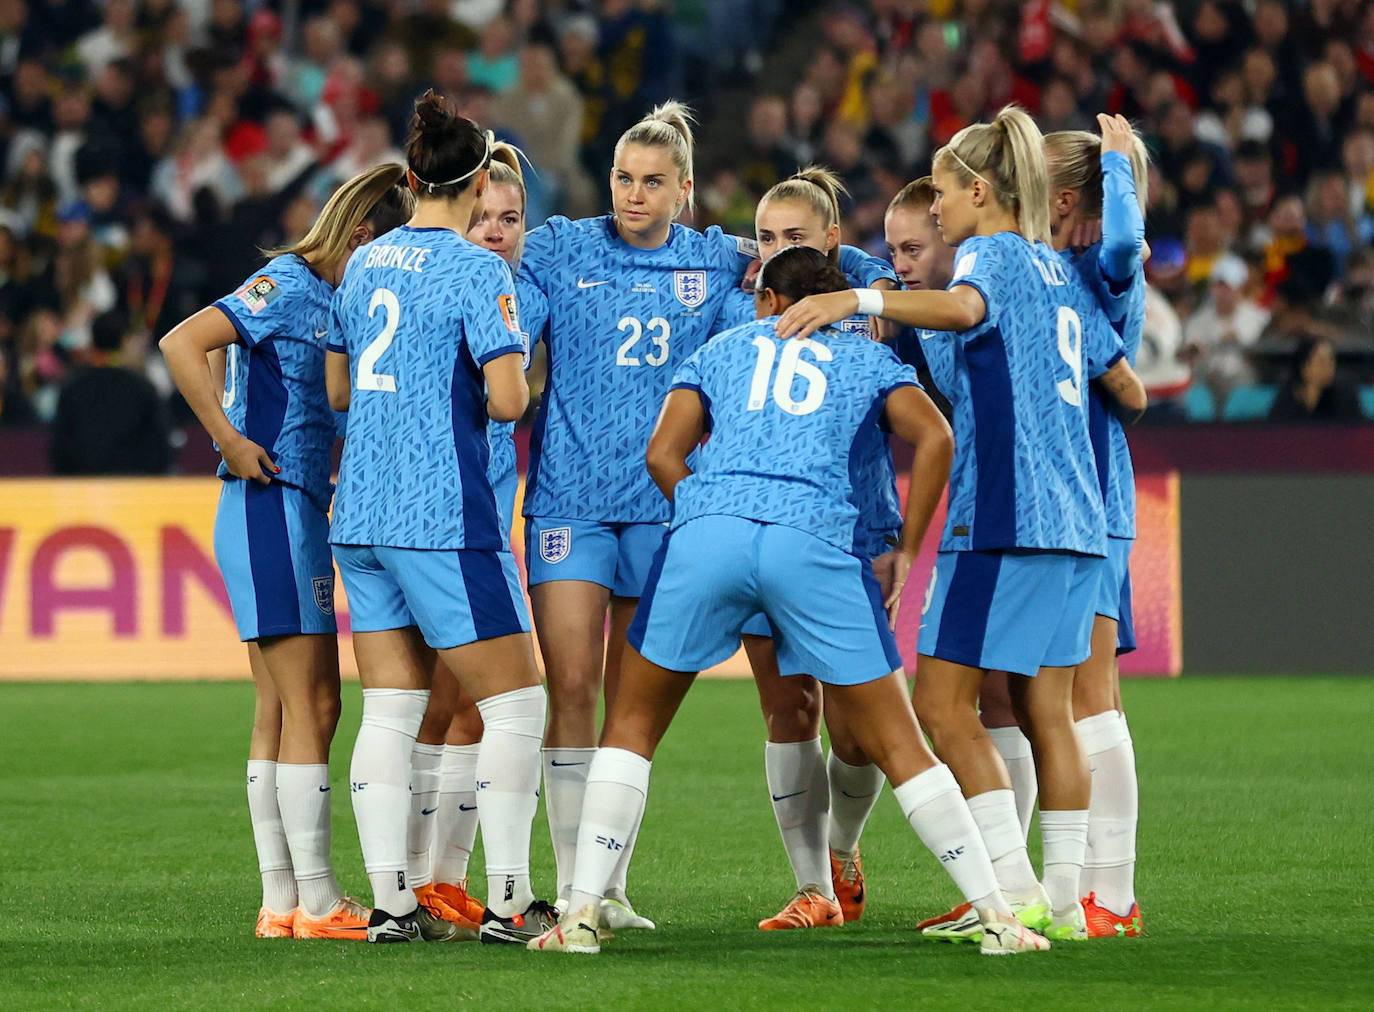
pixel 1128 392
pixel 679 429
pixel 337 381
pixel 957 309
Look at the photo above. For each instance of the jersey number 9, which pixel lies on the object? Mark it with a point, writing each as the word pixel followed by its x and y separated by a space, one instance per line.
pixel 789 368
pixel 1071 351
pixel 659 331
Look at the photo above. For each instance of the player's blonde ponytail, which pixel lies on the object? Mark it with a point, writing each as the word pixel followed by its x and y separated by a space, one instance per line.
pixel 667 126
pixel 378 197
pixel 1008 155
pixel 1074 161
pixel 820 189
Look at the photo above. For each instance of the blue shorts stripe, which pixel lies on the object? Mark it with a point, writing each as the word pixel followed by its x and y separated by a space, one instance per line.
pixel 471 446
pixel 269 555
pixel 994 437
pixel 964 622
pixel 493 612
pixel 875 598
pixel 635 634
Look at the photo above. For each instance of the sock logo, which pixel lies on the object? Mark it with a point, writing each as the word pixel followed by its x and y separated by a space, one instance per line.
pixel 952 855
pixel 610 843
pixel 428 811
pixel 784 797
pixel 401 880
pixel 324 788
pixel 510 888
pixel 483 784
pixel 253 779
pixel 358 786
pixel 466 808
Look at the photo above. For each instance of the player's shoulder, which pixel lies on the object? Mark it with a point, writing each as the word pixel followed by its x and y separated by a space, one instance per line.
pixel 283 277
pixel 743 333
pixel 719 241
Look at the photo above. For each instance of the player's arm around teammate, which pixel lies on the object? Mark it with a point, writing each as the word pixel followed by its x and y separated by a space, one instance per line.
pixel 698 599
pixel 630 295
pixel 272 536
pixel 427 323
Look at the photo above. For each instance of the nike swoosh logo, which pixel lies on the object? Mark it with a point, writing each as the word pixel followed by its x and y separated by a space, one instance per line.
pixel 784 797
pixel 321 333
pixel 428 811
pixel 555 762
pixel 324 790
pixel 591 284
pixel 857 797
pixel 467 808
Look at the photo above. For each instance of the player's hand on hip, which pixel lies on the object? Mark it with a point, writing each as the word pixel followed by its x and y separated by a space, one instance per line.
pixel 892 569
pixel 804 318
pixel 246 459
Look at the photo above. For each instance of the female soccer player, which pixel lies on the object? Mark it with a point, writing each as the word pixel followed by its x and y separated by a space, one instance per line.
pixel 767 522
pixel 804 210
pixel 443 809
pixel 631 295
pixel 1015 581
pixel 273 426
pixel 427 348
pixel 1107 177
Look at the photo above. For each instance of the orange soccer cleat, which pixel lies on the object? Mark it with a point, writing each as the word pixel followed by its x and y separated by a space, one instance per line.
pixel 847 876
pixel 1102 923
pixel 807 909
pixel 348 920
pixel 457 898
pixel 274 925
pixel 429 896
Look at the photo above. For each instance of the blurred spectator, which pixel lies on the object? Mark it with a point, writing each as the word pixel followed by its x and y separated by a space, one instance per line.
pixel 109 419
pixel 75 282
pixel 40 360
pixel 1310 392
pixel 1330 223
pixel 1317 127
pixel 161 286
pixel 493 63
pixel 1289 257
pixel 1219 335
pixel 1165 375
pixel 198 164
pixel 767 158
pixel 287 153
pixel 115 39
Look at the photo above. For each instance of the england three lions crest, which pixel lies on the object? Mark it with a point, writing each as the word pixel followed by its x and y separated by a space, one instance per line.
pixel 690 287
pixel 554 544
pixel 324 593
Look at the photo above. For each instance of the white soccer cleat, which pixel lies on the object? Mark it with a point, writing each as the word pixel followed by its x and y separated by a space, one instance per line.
pixel 618 915
pixel 1070 925
pixel 575 933
pixel 1006 936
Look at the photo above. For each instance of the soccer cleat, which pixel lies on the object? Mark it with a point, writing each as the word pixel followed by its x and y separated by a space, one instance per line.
pixel 420 925
pixel 1068 925
pixel 1032 909
pixel 576 932
pixel 809 908
pixel 348 919
pixel 847 876
pixel 518 929
pixel 428 896
pixel 962 924
pixel 1102 923
pixel 618 915
pixel 1005 936
pixel 274 925
pixel 455 894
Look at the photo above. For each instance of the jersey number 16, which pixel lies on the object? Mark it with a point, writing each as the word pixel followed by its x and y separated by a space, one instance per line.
pixel 790 367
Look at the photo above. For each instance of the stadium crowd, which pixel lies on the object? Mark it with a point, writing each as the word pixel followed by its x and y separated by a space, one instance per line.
pixel 151 148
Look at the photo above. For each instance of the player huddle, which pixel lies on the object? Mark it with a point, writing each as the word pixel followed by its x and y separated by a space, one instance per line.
pixel 761 507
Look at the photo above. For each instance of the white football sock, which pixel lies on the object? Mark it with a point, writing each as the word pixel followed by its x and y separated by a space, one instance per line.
pixel 616 888
pixel 508 792
pixel 1065 836
pixel 455 827
pixel 424 802
pixel 617 786
pixel 1109 869
pixel 565 780
pixel 936 809
pixel 304 795
pixel 274 856
pixel 854 791
pixel 380 775
pixel 995 814
pixel 1015 750
pixel 801 805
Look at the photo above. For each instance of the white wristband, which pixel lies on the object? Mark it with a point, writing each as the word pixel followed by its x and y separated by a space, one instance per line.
pixel 870 301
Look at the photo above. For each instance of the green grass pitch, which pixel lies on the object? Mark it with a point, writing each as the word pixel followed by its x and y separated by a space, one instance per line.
pixel 129 876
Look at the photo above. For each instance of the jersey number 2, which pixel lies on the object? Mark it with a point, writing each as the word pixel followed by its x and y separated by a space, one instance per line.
pixel 789 368
pixel 659 331
pixel 1071 351
pixel 368 379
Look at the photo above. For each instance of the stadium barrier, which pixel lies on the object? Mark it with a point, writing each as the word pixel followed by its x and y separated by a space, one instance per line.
pixel 116 578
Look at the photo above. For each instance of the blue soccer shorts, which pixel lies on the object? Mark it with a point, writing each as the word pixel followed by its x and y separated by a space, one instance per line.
pixel 1114 592
pixel 617 556
pixel 714 573
pixel 272 546
pixel 456 596
pixel 1015 610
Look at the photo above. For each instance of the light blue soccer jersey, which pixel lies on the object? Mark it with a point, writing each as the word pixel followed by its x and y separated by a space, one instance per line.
pixel 788 420
pixel 1024 474
pixel 1123 302
pixel 274 382
pixel 621 321
pixel 419 312
pixel 876 477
